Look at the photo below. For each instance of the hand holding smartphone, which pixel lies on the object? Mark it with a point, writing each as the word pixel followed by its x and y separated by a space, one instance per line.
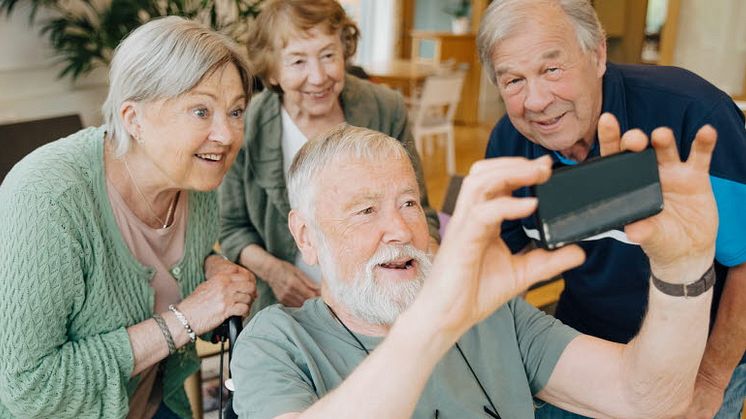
pixel 598 195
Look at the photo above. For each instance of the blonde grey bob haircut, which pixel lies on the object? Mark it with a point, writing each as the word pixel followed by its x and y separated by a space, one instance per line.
pixel 341 142
pixel 503 18
pixel 163 59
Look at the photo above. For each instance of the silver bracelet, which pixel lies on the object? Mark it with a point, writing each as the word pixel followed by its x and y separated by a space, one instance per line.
pixel 166 333
pixel 182 319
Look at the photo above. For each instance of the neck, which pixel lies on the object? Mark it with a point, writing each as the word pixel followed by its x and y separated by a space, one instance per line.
pixel 578 151
pixel 353 323
pixel 313 125
pixel 135 178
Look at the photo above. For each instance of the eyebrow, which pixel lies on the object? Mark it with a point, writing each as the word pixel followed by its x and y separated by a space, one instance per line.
pixel 549 55
pixel 303 52
pixel 361 199
pixel 240 97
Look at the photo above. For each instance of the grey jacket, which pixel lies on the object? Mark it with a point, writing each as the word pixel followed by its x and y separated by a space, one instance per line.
pixel 254 202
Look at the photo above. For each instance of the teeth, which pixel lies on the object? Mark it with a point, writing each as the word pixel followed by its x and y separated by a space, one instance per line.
pixel 212 157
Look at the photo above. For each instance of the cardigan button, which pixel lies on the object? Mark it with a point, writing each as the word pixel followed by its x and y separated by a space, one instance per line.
pixel 176 272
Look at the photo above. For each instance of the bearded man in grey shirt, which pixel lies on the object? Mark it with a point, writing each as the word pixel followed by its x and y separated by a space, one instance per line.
pixel 383 341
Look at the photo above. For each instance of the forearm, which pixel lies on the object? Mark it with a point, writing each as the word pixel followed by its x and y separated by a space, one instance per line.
pixel 149 344
pixel 398 370
pixel 727 342
pixel 257 260
pixel 659 366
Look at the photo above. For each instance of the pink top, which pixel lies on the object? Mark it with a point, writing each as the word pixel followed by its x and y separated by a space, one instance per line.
pixel 159 249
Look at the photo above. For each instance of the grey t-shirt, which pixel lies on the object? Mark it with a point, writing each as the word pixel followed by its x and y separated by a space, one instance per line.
pixel 286 359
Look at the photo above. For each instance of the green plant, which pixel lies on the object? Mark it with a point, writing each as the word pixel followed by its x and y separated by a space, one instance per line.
pixel 84 33
pixel 459 9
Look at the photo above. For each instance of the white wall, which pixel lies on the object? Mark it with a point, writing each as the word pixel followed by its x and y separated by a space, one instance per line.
pixel 712 41
pixel 29 87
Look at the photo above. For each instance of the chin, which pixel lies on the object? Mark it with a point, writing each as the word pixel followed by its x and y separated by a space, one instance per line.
pixel 206 185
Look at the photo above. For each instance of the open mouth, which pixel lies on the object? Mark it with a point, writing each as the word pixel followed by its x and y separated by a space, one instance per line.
pixel 403 264
pixel 210 157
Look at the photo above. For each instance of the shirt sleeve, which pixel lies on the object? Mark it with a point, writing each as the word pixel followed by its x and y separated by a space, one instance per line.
pixel 541 340
pixel 44 372
pixel 728 179
pixel 268 381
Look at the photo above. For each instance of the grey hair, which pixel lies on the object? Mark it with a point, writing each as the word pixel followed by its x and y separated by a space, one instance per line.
pixel 163 59
pixel 342 141
pixel 503 18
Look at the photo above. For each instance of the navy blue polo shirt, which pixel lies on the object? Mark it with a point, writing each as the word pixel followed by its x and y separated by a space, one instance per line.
pixel 607 295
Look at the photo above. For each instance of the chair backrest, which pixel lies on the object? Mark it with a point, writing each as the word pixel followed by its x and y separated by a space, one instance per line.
pixel 19 139
pixel 440 95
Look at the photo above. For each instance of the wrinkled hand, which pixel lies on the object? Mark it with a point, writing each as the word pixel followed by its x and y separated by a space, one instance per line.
pixel 474 272
pixel 228 291
pixel 680 240
pixel 707 399
pixel 291 286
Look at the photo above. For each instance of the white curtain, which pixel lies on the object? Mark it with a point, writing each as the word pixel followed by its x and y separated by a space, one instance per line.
pixel 377 29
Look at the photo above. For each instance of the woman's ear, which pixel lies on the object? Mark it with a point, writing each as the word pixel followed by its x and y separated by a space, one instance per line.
pixel 302 233
pixel 129 113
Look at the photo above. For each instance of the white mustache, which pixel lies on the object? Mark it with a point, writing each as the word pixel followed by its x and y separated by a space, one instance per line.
pixel 391 253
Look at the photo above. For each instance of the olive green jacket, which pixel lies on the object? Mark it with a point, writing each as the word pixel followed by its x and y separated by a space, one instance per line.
pixel 254 202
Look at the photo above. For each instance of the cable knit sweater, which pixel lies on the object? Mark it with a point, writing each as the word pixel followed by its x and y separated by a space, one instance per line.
pixel 69 288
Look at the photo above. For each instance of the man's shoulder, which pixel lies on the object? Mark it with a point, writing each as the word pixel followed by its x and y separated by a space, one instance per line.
pixel 668 81
pixel 277 320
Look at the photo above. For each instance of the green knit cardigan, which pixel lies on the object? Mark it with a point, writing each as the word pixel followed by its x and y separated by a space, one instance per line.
pixel 69 288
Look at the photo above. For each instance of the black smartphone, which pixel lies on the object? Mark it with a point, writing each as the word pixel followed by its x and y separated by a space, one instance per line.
pixel 596 196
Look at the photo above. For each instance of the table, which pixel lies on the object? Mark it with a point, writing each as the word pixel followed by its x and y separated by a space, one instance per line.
pixel 400 74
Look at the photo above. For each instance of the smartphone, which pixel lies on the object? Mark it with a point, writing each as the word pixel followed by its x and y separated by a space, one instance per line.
pixel 596 196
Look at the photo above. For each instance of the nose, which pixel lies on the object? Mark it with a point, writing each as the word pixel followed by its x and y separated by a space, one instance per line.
pixel 396 230
pixel 220 131
pixel 316 72
pixel 538 96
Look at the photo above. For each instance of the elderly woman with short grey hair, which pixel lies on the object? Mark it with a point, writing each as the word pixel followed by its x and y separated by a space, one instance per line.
pixel 107 268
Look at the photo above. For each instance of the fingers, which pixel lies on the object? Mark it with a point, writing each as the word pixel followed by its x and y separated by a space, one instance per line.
pixel 540 264
pixel 498 177
pixel 702 148
pixel 609 134
pixel 634 140
pixel 640 231
pixel 495 211
pixel 665 146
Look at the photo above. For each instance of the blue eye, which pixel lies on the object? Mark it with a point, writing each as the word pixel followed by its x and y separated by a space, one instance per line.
pixel 201 113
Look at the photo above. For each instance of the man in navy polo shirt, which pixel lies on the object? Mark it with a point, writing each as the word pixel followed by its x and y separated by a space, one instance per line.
pixel 548 60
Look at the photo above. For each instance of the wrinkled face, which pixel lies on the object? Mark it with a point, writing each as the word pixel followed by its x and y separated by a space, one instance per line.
pixel 311 72
pixel 193 139
pixel 551 88
pixel 372 236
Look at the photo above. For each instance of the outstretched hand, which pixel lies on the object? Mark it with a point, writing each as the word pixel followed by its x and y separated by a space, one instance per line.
pixel 680 240
pixel 474 272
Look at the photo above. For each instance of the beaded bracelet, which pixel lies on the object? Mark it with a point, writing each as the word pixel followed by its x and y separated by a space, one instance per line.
pixel 166 333
pixel 182 319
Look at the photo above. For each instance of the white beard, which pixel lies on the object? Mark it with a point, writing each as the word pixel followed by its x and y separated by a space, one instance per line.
pixel 364 297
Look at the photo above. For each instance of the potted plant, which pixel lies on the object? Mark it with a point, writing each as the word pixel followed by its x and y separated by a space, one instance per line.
pixel 84 33
pixel 459 13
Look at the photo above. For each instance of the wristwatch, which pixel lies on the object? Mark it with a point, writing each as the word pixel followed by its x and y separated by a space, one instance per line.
pixel 693 289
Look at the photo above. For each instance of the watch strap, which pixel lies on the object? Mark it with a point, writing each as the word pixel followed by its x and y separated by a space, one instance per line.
pixel 698 287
